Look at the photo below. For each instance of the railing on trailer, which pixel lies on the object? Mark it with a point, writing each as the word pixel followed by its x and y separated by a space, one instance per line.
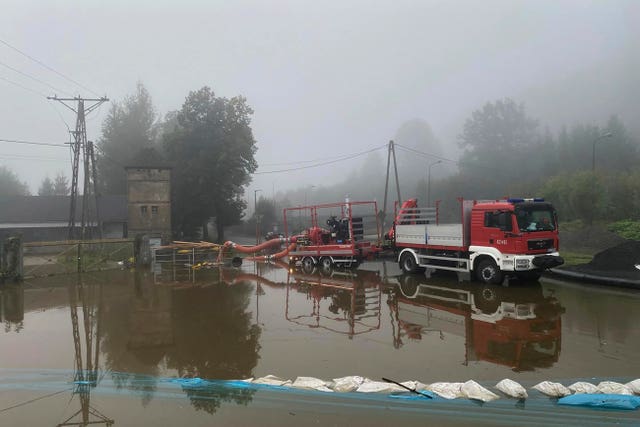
pixel 346 210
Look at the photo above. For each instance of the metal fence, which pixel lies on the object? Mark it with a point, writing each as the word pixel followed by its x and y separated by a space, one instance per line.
pixel 63 257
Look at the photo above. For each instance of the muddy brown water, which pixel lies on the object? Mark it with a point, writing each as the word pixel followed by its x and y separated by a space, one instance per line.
pixel 143 329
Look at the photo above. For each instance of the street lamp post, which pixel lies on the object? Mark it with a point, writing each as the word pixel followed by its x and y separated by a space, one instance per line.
pixel 593 158
pixel 429 182
pixel 593 172
pixel 255 214
pixel 305 194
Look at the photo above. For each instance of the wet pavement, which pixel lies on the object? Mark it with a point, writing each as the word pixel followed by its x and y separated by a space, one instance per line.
pixel 142 330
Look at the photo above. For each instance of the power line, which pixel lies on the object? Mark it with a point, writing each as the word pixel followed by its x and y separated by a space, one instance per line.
pixel 35 399
pixel 28 157
pixel 322 159
pixel 348 157
pixel 456 162
pixel 39 94
pixel 19 141
pixel 33 78
pixel 48 67
pixel 422 153
pixel 23 87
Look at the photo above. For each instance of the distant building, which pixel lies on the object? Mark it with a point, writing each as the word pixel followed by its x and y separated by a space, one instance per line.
pixel 149 202
pixel 46 218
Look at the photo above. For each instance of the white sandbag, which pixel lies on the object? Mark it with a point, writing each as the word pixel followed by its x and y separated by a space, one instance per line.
pixel 414 385
pixel 310 383
pixel 473 390
pixel 347 384
pixel 369 386
pixel 446 390
pixel 272 380
pixel 634 386
pixel 552 389
pixel 582 387
pixel 611 387
pixel 512 389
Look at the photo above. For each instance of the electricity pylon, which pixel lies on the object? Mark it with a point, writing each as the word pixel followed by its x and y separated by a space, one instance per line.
pixel 79 145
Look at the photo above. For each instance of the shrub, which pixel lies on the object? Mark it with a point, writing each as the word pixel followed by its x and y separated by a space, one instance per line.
pixel 627 228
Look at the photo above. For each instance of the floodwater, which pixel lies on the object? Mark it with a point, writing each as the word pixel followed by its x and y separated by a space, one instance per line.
pixel 144 330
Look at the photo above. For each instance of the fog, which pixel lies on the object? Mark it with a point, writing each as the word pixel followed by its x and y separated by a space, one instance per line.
pixel 325 79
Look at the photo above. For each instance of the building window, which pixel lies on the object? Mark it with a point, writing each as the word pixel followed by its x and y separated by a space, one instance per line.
pixel 154 210
pixel 143 210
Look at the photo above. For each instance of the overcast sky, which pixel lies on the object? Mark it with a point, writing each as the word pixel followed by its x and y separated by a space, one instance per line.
pixel 325 78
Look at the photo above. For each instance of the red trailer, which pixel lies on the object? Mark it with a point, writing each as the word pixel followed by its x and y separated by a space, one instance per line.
pixel 351 234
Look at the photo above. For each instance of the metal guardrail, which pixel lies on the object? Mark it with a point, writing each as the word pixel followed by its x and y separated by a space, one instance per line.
pixel 71 256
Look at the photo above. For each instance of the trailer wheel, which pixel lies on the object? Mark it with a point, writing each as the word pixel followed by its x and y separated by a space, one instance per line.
pixel 488 272
pixel 408 263
pixel 326 264
pixel 308 264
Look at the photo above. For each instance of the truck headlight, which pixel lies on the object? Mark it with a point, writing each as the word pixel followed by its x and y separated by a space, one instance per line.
pixel 522 264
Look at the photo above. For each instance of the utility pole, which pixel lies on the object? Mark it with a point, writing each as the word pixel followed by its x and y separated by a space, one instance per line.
pixel 391 152
pixel 80 145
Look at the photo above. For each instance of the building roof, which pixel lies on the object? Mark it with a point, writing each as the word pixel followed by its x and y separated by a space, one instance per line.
pixel 45 209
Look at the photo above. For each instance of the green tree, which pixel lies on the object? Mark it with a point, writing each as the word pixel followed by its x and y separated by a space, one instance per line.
pixel 502 145
pixel 620 151
pixel 128 129
pixel 212 149
pixel 61 185
pixel 576 195
pixel 10 184
pixel 46 187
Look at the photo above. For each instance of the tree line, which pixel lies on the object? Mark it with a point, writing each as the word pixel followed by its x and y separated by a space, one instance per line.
pixel 208 143
pixel 506 152
pixel 588 171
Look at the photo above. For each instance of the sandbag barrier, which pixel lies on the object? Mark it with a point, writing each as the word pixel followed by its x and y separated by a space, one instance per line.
pixel 607 394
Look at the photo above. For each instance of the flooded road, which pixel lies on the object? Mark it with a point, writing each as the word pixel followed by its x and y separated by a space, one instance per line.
pixel 142 330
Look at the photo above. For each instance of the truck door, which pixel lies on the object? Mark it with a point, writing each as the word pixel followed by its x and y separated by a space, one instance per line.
pixel 497 225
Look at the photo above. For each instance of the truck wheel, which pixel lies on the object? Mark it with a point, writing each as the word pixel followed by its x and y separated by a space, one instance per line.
pixel 408 263
pixel 326 264
pixel 308 264
pixel 488 272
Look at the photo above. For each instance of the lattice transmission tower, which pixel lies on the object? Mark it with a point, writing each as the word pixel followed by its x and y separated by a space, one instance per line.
pixel 79 146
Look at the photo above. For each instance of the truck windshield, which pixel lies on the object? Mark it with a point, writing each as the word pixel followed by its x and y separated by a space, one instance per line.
pixel 535 218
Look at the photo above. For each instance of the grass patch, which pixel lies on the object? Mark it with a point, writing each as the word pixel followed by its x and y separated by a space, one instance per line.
pixel 627 228
pixel 574 225
pixel 575 258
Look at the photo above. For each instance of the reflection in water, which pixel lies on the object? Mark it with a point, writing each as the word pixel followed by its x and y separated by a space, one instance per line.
pixel 12 307
pixel 152 331
pixel 214 338
pixel 517 327
pixel 201 330
pixel 354 297
pixel 86 297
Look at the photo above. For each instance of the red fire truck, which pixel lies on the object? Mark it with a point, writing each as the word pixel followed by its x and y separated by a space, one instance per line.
pixel 494 239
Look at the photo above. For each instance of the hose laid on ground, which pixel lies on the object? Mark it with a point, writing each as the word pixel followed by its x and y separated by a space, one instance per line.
pixel 257 248
pixel 276 256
